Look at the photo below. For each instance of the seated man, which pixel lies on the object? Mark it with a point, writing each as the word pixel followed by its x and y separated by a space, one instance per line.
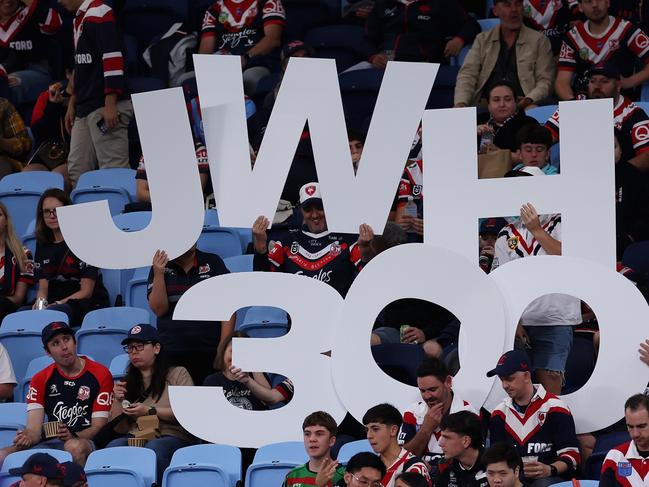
pixel 461 443
pixel 537 423
pixel 7 376
pixel 509 51
pixel 312 250
pixel 40 469
pixel 420 431
pixel 625 465
pixel 382 423
pixel 74 390
pixel 503 466
pixel 488 234
pixel 319 436
pixel 363 470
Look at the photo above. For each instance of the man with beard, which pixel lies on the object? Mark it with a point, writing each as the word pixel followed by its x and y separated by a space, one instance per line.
pixel 420 431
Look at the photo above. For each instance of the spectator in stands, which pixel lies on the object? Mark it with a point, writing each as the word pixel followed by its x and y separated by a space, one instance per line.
pixel 7 376
pixel 584 46
pixel 40 469
pixel 534 142
pixel 461 442
pixel 252 31
pixel 245 390
pixel 74 390
pixel 145 392
pixel 552 19
pixel 15 143
pixel 383 422
pixel 625 463
pixel 498 127
pixel 99 110
pixel 24 26
pixel 337 266
pixel 16 266
pixel 410 200
pixel 420 430
pixel 319 437
pixel 488 234
pixel 503 466
pixel 73 475
pixel 356 145
pixel 52 141
pixel 190 344
pixel 67 283
pixel 411 479
pixel 418 31
pixel 630 121
pixel 535 422
pixel 509 51
pixel 364 470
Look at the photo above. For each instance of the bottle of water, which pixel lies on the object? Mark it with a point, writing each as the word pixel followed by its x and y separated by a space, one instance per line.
pixel 411 207
pixel 486 140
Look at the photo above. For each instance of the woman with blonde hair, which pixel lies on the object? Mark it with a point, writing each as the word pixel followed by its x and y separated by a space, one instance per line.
pixel 16 266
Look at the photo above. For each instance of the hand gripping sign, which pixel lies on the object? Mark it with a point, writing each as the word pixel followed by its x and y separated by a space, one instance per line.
pixel 443 270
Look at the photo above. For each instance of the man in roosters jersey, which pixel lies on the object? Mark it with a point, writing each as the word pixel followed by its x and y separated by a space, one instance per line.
pixel 313 251
pixel 630 121
pixel 74 390
pixel 600 38
pixel 319 436
pixel 551 18
pixel 626 465
pixel 420 430
pixel 535 422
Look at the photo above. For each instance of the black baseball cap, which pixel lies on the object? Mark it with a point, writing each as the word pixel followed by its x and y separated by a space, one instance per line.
pixel 53 329
pixel 72 473
pixel 142 333
pixel 606 68
pixel 294 46
pixel 492 225
pixel 510 362
pixel 42 464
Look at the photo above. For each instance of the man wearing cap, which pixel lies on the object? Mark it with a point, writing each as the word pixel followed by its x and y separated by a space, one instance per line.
pixel 73 475
pixel 312 250
pixel 39 470
pixel 537 423
pixel 489 230
pixel 546 323
pixel 630 121
pixel 74 390
pixel 601 37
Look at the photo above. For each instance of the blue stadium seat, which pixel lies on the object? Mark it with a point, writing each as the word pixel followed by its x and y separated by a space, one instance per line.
pixel 213 465
pixel 17 459
pixel 582 483
pixel 642 104
pixel 103 330
pixel 225 242
pixel 264 322
pixel 20 334
pixel 29 238
pixel 542 114
pixel 13 417
pixel 350 449
pixel 136 291
pixel 344 43
pixel 34 366
pixel 603 444
pixel 636 256
pixel 126 466
pixel 239 263
pixel 399 360
pixel 487 24
pixel 211 218
pixel 459 59
pixel 272 463
pixel 359 91
pixel 245 237
pixel 21 191
pixel 131 222
pixel 580 364
pixel 117 186
pixel 118 366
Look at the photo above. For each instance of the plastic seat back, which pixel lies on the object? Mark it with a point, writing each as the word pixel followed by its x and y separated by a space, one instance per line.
pixel 126 466
pixel 13 417
pixel 225 242
pixel 272 463
pixel 118 366
pixel 264 322
pixel 17 459
pixel 136 291
pixel 542 114
pixel 239 263
pixel 214 465
pixel 350 449
pixel 34 366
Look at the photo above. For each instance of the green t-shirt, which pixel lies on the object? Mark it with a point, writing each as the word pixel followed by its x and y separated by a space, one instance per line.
pixel 301 476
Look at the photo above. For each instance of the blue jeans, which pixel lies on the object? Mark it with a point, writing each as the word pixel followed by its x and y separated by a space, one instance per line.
pixel 550 346
pixel 164 448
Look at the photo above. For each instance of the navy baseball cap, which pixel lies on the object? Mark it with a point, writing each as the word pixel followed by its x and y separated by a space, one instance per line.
pixel 72 473
pixel 41 464
pixel 296 46
pixel 492 225
pixel 510 362
pixel 53 329
pixel 606 68
pixel 142 333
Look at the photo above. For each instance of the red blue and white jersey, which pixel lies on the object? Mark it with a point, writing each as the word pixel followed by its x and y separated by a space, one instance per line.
pixel 631 125
pixel 622 42
pixel 412 182
pixel 413 418
pixel 550 17
pixel 201 159
pixel 624 466
pixel 545 429
pixel 72 400
pixel 405 462
pixel 239 24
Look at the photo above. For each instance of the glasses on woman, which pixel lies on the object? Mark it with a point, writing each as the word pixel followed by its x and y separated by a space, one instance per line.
pixel 135 347
pixel 49 212
pixel 363 482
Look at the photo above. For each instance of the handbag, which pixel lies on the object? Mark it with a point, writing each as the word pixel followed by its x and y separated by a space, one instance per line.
pixel 52 153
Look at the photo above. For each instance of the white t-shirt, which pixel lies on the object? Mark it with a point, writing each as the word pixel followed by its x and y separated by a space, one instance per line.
pixel 7 375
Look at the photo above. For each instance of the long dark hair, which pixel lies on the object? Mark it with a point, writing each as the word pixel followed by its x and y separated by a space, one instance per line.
pixel 135 384
pixel 44 234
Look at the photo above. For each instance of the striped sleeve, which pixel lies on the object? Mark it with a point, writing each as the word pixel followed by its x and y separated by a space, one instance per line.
pixel 102 21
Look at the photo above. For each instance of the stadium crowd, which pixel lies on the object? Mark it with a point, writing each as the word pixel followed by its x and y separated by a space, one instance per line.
pixel 67 71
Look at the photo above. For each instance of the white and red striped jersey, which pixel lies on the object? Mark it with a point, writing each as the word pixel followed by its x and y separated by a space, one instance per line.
pixel 405 462
pixel 624 466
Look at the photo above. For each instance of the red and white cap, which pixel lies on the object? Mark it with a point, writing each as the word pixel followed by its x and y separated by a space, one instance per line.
pixel 310 193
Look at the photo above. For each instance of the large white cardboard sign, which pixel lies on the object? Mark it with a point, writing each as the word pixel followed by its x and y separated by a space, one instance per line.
pixel 443 270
